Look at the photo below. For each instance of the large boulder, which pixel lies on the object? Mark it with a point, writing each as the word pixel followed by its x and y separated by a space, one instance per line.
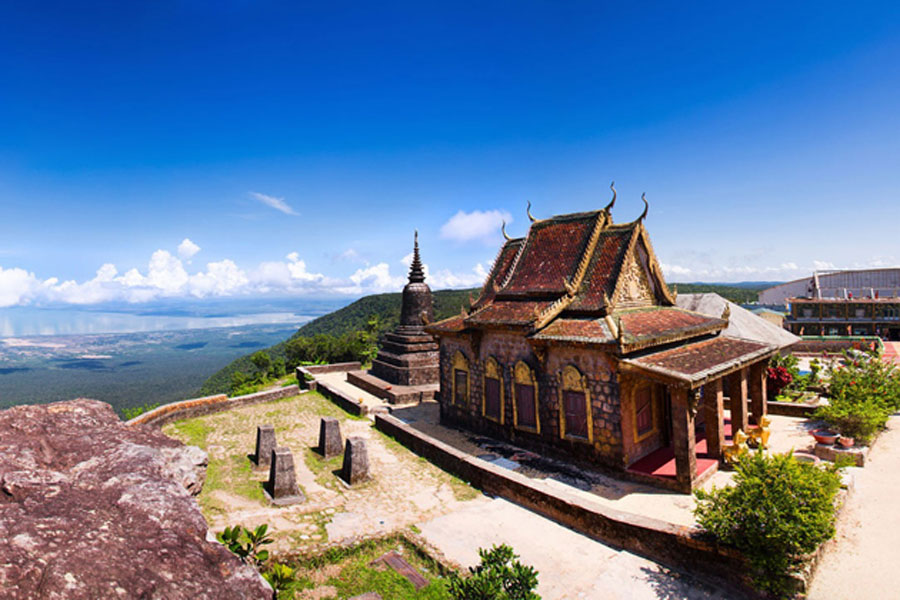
pixel 93 508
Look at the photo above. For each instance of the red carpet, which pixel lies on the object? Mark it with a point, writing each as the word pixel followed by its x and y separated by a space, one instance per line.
pixel 661 462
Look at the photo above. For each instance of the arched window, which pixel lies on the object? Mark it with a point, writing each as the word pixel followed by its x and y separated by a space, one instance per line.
pixel 644 412
pixel 460 379
pixel 525 398
pixel 574 406
pixel 492 399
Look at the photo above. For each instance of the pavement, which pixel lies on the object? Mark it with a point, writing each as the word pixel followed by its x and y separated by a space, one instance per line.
pixel 861 562
pixel 569 564
pixel 892 352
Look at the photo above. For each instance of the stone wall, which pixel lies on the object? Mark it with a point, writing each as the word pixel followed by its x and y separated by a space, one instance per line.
pixel 507 350
pixel 196 407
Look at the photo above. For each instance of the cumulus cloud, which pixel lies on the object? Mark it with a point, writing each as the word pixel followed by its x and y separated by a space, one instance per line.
pixel 273 202
pixel 187 249
pixel 483 226
pixel 166 276
pixel 714 273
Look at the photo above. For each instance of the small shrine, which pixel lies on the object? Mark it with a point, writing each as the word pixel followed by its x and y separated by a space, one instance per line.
pixel 406 368
pixel 576 348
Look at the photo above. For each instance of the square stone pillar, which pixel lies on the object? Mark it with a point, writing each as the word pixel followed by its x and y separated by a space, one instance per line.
pixel 281 489
pixel 758 401
pixel 330 441
pixel 356 461
pixel 737 393
pixel 714 417
pixel 683 440
pixel 265 443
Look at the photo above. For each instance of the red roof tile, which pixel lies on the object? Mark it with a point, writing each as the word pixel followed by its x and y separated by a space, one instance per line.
pixel 500 270
pixel 702 358
pixel 666 322
pixel 508 312
pixel 450 325
pixel 603 270
pixel 553 250
pixel 593 331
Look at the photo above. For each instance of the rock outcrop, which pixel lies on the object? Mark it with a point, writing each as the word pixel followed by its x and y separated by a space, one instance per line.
pixel 92 508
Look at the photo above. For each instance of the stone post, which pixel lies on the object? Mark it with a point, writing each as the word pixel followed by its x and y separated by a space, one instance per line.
pixel 683 439
pixel 737 393
pixel 281 489
pixel 265 443
pixel 330 442
pixel 356 461
pixel 714 417
pixel 758 401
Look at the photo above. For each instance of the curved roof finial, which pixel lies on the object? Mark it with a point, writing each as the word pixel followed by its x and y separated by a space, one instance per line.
pixel 646 208
pixel 528 210
pixel 612 202
pixel 503 231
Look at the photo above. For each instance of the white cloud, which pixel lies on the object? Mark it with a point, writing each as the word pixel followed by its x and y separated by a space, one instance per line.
pixel 819 265
pixel 477 225
pixel 273 202
pixel 17 286
pixel 166 276
pixel 187 249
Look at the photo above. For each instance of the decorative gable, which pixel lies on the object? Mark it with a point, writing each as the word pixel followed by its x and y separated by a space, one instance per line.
pixel 633 288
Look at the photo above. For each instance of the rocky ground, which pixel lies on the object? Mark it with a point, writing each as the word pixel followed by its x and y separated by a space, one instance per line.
pixel 91 508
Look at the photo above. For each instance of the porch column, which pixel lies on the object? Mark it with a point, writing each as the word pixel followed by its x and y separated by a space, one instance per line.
pixel 714 417
pixel 737 392
pixel 758 405
pixel 683 440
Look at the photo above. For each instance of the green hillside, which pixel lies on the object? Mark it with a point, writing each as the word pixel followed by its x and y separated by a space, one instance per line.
pixel 743 293
pixel 340 326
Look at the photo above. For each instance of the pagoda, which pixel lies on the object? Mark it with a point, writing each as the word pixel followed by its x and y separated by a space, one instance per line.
pixel 407 366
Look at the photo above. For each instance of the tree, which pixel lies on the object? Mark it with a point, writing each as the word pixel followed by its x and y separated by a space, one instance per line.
pixel 500 576
pixel 262 361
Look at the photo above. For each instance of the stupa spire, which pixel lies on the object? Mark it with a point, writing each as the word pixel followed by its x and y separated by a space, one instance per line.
pixel 416 273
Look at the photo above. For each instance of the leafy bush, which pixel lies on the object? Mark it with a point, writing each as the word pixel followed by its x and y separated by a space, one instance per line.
pixel 134 411
pixel 862 395
pixel 279 576
pixel 778 511
pixel 777 378
pixel 246 543
pixel 500 576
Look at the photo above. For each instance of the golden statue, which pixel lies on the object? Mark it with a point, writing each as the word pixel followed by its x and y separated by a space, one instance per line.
pixel 737 449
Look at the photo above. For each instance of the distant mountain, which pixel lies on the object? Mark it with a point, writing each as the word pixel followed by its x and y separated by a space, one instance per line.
pixel 740 293
pixel 353 317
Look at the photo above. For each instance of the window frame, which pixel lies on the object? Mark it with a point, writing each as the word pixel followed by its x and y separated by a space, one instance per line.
pixel 460 363
pixel 654 417
pixel 491 370
pixel 523 374
pixel 572 380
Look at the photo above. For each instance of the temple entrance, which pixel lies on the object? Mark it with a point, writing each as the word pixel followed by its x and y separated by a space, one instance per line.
pixel 661 462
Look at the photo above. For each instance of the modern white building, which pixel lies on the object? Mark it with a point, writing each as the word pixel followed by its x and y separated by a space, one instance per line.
pixel 843 285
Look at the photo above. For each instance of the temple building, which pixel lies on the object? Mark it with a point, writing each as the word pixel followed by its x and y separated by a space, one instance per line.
pixel 576 348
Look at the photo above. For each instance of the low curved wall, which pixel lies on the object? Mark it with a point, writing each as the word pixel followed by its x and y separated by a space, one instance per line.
pixel 196 407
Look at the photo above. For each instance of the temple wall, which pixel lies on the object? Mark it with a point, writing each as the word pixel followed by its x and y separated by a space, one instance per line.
pixel 507 350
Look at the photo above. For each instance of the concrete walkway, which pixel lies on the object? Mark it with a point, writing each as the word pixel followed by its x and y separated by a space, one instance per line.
pixel 862 562
pixel 570 565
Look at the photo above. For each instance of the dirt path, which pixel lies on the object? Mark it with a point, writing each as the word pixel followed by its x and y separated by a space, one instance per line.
pixel 862 561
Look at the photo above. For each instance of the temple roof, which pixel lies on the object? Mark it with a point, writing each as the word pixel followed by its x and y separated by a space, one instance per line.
pixel 696 362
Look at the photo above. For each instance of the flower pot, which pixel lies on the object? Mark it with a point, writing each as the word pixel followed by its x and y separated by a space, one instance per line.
pixel 825 436
pixel 846 442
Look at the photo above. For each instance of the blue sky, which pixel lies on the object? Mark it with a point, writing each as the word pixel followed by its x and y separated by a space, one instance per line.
pixel 298 147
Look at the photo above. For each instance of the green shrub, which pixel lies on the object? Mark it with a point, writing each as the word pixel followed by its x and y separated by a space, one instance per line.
pixel 862 395
pixel 134 411
pixel 247 543
pixel 778 511
pixel 500 576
